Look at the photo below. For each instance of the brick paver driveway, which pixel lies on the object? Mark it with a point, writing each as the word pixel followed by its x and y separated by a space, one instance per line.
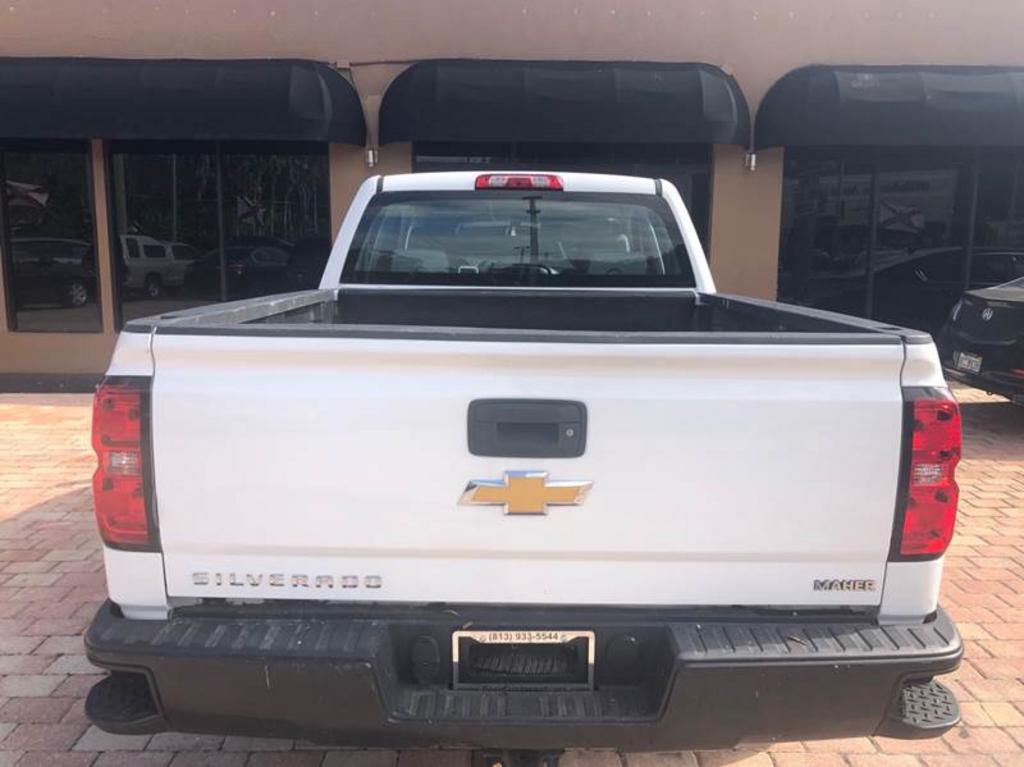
pixel 51 581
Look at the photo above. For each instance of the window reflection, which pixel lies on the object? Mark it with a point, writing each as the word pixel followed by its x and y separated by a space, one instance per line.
pixel 999 225
pixel 920 255
pixel 826 222
pixel 912 268
pixel 277 222
pixel 275 216
pixel 165 215
pixel 49 249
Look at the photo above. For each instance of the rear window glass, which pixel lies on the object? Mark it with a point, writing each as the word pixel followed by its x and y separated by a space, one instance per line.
pixel 518 238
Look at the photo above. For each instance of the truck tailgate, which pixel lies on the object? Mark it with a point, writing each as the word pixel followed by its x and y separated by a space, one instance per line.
pixel 332 469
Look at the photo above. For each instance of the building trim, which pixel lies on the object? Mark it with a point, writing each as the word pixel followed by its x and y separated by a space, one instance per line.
pixel 101 232
pixel 7 319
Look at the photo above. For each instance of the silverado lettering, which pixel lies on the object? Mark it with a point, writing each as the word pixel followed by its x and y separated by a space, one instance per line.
pixel 280 580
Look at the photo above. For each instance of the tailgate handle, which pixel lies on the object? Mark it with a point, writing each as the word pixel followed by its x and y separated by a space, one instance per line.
pixel 527 428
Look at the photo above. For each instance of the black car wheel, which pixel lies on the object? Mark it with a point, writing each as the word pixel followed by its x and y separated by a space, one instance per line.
pixel 76 294
pixel 154 286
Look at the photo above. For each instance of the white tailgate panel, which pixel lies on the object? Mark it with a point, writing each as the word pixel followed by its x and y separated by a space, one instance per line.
pixel 722 475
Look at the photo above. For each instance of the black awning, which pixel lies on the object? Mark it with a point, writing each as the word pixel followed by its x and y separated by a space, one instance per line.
pixel 263 100
pixel 894 106
pixel 577 101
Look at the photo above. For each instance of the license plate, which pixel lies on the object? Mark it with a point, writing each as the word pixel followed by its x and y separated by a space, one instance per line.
pixel 570 665
pixel 969 363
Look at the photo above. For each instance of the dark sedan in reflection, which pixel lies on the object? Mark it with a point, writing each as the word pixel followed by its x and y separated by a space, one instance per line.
pixel 51 270
pixel 252 269
pixel 307 262
pixel 982 344
pixel 919 289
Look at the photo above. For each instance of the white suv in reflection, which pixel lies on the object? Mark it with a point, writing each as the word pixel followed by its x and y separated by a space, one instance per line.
pixel 153 265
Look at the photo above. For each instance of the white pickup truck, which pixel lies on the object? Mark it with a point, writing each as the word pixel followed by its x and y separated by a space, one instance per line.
pixel 515 477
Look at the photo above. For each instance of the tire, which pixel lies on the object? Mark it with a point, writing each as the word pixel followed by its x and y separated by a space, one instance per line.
pixel 153 286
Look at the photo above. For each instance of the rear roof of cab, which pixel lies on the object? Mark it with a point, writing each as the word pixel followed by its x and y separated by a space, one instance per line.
pixel 466 181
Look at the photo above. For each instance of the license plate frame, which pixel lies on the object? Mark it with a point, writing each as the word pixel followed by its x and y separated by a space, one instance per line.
pixel 520 637
pixel 968 363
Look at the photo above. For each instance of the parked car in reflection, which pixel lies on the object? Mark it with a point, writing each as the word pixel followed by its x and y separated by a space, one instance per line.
pixel 915 281
pixel 982 344
pixel 51 270
pixel 152 266
pixel 920 289
pixel 182 251
pixel 254 267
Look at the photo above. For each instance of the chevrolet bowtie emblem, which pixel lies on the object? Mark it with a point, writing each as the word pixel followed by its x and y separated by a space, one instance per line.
pixel 525 492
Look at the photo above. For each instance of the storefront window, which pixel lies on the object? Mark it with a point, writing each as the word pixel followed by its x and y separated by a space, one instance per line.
pixel 919 260
pixel 277 222
pixel 164 207
pixel 687 166
pixel 48 239
pixel 274 213
pixel 878 233
pixel 999 225
pixel 826 225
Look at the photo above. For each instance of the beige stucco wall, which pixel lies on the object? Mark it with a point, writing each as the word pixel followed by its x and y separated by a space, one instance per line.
pixel 349 169
pixel 375 39
pixel 745 210
pixel 55 353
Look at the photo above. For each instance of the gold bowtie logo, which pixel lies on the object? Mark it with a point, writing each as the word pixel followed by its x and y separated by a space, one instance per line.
pixel 525 492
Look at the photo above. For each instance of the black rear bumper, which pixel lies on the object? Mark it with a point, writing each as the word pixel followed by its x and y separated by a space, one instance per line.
pixel 1002 384
pixel 663 681
pixel 1000 358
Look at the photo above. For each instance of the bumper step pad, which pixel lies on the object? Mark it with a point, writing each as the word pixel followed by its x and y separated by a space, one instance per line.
pixel 923 710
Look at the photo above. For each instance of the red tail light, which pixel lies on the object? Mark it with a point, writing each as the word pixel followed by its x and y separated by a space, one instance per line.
pixel 120 491
pixel 544 181
pixel 931 494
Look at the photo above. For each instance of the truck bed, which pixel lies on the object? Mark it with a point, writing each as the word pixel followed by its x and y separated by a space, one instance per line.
pixel 347 407
pixel 596 316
